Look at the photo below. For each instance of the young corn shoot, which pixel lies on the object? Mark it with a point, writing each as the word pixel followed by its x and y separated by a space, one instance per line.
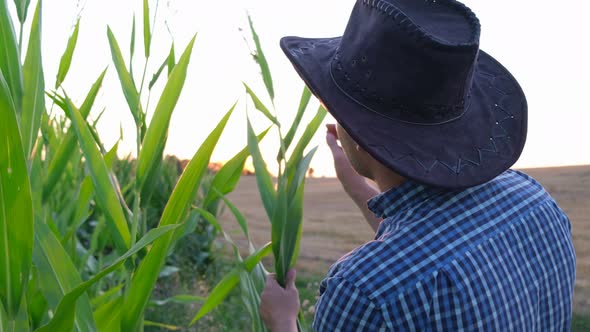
pixel 283 205
pixel 57 182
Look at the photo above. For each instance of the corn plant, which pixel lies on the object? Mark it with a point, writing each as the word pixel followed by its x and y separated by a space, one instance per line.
pixel 75 245
pixel 283 203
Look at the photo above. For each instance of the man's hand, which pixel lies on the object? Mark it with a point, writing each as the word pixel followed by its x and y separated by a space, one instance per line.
pixel 279 306
pixel 344 170
pixel 354 184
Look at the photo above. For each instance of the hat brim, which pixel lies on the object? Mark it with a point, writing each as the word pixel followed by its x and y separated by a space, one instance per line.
pixel 471 150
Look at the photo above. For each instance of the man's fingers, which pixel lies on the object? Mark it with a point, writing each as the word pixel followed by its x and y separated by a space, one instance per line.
pixel 271 278
pixel 333 143
pixel 332 139
pixel 332 129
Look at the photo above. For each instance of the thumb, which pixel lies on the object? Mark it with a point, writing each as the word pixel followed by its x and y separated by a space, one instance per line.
pixel 290 279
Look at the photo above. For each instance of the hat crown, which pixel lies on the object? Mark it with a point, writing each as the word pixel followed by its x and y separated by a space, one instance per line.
pixel 409 60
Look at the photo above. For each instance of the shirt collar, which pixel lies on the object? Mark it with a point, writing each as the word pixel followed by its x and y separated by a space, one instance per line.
pixel 400 198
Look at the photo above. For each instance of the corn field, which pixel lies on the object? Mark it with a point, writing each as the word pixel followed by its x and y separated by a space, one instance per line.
pixel 79 241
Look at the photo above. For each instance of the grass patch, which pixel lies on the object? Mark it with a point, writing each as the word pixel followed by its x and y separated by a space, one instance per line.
pixel 580 323
pixel 194 278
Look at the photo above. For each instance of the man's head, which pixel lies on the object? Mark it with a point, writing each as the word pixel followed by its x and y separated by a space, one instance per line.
pixel 421 96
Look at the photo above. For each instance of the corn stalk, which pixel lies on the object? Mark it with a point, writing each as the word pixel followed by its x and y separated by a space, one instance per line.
pixel 283 203
pixel 74 251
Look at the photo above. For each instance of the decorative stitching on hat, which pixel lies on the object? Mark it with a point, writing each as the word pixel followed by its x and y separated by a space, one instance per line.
pixel 463 161
pixel 412 29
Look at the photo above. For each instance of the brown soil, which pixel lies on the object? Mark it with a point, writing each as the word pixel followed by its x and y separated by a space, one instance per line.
pixel 333 225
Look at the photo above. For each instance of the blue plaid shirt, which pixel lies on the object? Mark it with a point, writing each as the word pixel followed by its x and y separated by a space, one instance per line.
pixel 496 257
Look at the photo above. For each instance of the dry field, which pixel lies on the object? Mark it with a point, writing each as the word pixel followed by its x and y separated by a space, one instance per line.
pixel 333 225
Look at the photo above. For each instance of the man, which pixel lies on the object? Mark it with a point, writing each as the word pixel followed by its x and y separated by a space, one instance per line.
pixel 462 243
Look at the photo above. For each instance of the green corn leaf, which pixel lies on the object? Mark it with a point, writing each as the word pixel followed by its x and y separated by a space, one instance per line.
pixel 105 190
pixel 150 156
pixel 21 323
pixel 260 106
pixel 107 296
pixel 261 60
pixel 279 221
pixel 157 74
pixel 291 237
pixel 251 284
pixel 230 281
pixel 36 302
pixel 165 63
pixel 36 174
pixel 251 299
pixel 299 175
pixel 171 60
pixel 184 193
pixel 34 82
pixel 109 159
pixel 108 316
pixel 291 231
pixel 305 97
pixel 95 122
pixel 94 131
pixel 129 89
pixel 180 299
pixel 210 218
pixel 188 227
pixel 259 273
pixel 16 208
pixel 229 175
pixel 257 276
pixel 263 178
pixel 132 47
pixel 238 215
pixel 147 35
pixel 66 58
pixel 310 130
pixel 10 58
pixel 63 318
pixel 97 139
pixel 215 223
pixel 82 208
pixel 3 319
pixel 65 149
pixel 111 156
pixel 21 9
pixel 59 275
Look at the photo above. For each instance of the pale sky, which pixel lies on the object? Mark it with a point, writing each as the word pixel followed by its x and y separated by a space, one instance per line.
pixel 542 43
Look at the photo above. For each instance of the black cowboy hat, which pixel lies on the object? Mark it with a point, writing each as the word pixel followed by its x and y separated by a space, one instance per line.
pixel 408 82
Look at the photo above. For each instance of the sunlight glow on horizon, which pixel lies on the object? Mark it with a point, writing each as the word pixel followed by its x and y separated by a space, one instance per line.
pixel 548 60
